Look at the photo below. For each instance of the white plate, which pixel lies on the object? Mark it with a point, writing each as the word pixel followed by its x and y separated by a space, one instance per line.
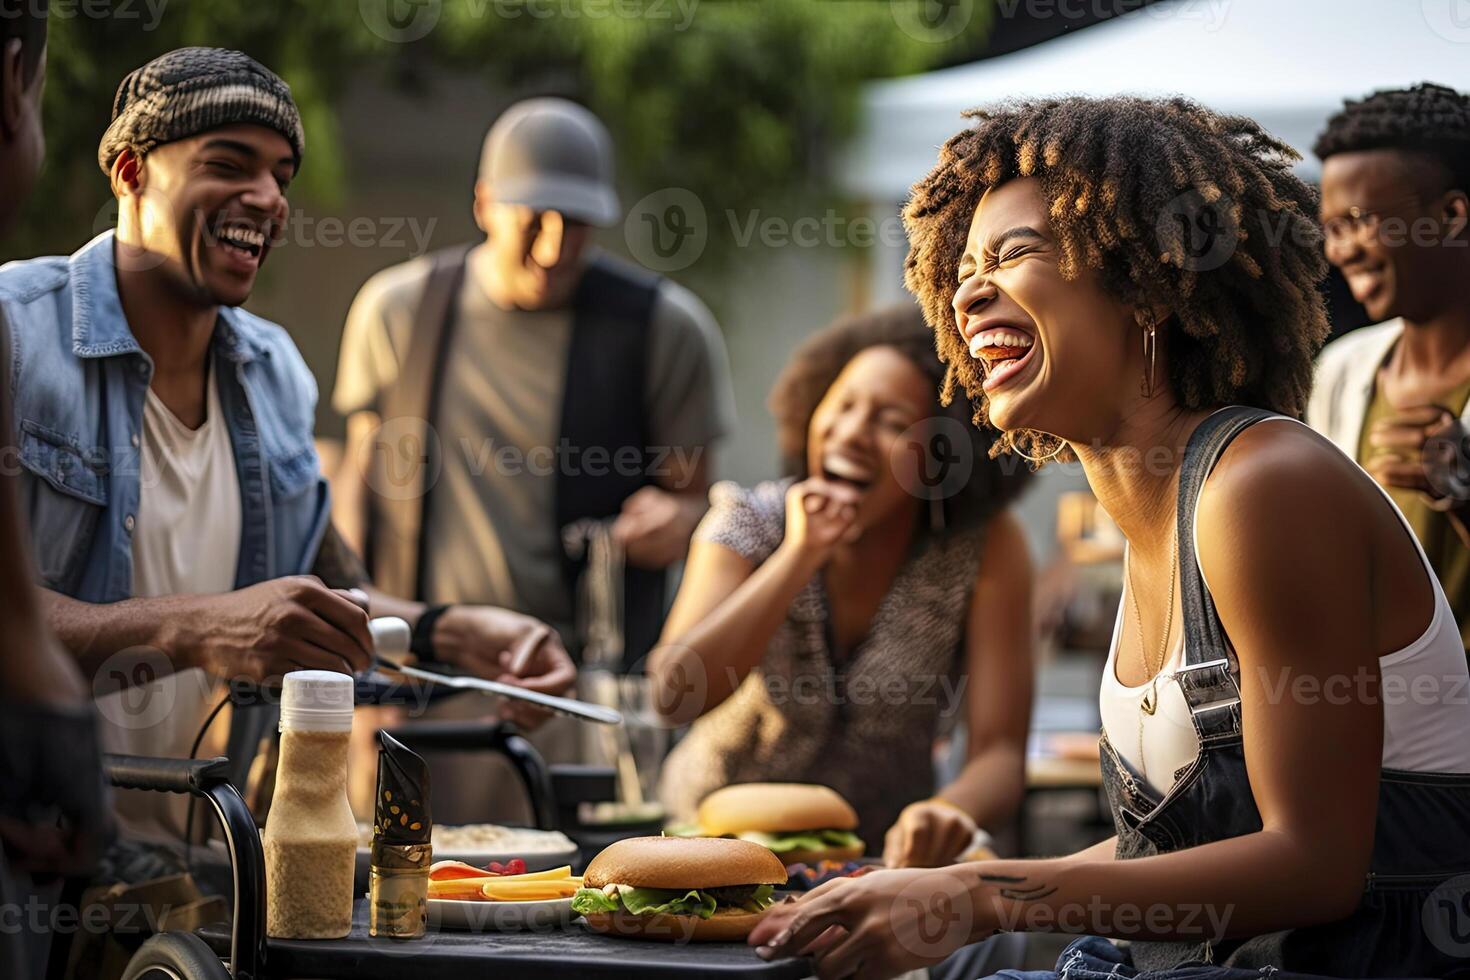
pixel 483 916
pixel 541 850
pixel 544 861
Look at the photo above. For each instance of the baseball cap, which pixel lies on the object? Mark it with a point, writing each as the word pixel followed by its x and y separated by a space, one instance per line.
pixel 552 155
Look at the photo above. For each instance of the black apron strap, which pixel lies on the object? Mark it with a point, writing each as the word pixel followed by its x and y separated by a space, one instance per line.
pixel 1207 675
pixel 604 410
pixel 395 552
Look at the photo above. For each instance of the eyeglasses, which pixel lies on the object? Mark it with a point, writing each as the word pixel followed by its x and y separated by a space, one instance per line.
pixel 1359 223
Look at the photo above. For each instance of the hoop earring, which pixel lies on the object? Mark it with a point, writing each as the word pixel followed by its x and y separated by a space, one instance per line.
pixel 1151 355
pixel 1061 444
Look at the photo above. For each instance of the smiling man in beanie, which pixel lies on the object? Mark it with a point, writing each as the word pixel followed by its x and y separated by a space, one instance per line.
pixel 168 468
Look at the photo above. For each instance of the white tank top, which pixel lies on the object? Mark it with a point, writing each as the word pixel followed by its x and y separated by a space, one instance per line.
pixel 1425 693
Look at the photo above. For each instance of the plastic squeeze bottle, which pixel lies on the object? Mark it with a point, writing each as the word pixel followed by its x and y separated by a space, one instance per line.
pixel 310 837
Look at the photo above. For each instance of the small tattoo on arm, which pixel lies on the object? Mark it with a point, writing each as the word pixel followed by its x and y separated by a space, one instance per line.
pixel 1026 894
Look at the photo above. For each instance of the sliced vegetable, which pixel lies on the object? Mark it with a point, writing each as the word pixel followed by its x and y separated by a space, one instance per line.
pixel 667 901
pixel 807 840
pixel 450 870
pixel 532 887
pixel 589 901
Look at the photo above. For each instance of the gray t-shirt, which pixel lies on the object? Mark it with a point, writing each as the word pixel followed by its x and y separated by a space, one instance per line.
pixel 491 531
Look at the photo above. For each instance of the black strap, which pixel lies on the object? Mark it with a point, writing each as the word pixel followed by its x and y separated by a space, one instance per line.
pixel 603 408
pixel 411 403
pixel 1207 675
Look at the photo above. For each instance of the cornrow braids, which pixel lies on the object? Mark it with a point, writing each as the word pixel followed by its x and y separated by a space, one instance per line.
pixel 1430 119
pixel 1175 207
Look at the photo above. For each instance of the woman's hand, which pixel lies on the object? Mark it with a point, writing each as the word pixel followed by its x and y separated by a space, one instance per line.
pixel 928 834
pixel 877 926
pixel 820 515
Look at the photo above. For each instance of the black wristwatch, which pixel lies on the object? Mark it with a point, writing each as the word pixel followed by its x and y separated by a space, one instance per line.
pixel 421 642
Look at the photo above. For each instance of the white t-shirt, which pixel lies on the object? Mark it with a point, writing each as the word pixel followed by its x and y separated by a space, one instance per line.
pixel 186 539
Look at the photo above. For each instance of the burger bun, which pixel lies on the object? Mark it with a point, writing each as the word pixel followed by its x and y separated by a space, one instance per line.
pixel 725 926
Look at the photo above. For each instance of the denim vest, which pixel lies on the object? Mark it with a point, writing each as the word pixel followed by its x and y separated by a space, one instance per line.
pixel 79 382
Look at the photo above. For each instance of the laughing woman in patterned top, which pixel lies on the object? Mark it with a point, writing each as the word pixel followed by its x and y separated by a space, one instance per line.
pixel 828 625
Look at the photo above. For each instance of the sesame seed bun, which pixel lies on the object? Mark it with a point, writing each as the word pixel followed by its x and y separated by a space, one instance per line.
pixel 684 862
pixel 775 808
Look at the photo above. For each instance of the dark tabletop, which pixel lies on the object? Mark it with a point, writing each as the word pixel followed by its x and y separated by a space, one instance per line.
pixel 563 954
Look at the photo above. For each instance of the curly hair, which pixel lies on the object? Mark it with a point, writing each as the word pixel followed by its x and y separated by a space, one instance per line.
pixel 820 359
pixel 1130 183
pixel 1430 119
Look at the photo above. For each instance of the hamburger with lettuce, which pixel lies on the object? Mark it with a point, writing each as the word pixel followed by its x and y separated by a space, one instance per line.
pixel 801 822
pixel 679 889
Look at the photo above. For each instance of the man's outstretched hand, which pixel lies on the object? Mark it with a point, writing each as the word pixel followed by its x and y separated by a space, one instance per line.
pixel 508 647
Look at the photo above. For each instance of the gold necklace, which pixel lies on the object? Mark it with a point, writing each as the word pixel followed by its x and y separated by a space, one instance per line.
pixel 1150 703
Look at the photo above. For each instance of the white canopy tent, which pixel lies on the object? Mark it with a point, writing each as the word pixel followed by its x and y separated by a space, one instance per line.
pixel 1286 63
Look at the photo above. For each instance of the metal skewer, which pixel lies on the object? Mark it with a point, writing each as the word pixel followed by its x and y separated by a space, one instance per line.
pixel 390 639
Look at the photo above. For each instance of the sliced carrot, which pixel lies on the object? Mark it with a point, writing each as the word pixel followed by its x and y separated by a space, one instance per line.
pixel 452 870
pixel 563 873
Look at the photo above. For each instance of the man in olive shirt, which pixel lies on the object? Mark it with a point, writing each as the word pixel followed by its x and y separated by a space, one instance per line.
pixel 1395 180
pixel 548 384
pixel 490 531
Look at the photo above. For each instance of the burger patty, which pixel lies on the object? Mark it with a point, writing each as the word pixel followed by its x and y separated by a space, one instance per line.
pixel 732 894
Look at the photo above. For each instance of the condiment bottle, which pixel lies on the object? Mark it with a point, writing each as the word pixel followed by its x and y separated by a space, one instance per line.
pixel 398 886
pixel 310 837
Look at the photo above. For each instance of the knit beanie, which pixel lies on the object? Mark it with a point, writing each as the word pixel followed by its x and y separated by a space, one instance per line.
pixel 191 90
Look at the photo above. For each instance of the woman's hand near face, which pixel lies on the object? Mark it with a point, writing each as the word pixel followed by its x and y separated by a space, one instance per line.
pixel 879 925
pixel 820 515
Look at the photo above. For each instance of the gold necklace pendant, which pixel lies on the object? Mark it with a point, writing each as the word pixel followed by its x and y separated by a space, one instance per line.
pixel 1150 702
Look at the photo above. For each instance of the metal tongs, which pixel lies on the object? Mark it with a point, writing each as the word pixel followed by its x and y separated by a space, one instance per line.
pixel 390 650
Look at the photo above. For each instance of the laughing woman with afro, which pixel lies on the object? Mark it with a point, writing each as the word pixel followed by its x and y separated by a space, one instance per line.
pixel 1133 284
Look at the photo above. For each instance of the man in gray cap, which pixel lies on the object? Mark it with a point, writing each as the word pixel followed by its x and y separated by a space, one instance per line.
pixel 178 517
pixel 558 385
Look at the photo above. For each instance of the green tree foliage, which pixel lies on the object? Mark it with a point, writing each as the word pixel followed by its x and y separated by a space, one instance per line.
pixel 740 101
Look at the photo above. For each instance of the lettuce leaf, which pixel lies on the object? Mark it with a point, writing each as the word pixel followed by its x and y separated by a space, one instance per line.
pixel 807 840
pixel 664 901
pixel 588 901
pixel 761 900
pixel 661 901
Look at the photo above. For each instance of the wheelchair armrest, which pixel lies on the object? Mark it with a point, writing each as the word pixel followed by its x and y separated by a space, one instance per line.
pixel 209 779
pixel 194 777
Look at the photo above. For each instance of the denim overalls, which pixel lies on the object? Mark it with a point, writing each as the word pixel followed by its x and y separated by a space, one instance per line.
pixel 1414 916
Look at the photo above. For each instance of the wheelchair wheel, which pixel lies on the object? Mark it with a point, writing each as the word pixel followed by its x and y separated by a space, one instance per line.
pixel 175 956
